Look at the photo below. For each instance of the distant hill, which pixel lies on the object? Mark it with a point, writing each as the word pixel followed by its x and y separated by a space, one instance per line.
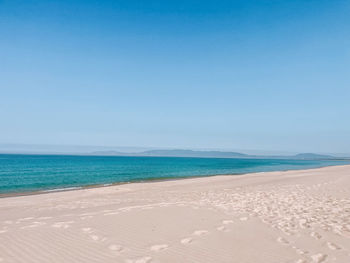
pixel 312 156
pixel 190 153
pixel 107 153
pixel 209 154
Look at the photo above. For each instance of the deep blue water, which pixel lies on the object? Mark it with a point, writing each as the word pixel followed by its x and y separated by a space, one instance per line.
pixel 21 173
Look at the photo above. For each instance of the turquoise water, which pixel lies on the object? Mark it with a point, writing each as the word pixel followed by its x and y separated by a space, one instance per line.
pixel 22 173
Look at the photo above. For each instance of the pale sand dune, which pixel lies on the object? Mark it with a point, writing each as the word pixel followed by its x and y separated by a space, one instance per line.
pixel 294 216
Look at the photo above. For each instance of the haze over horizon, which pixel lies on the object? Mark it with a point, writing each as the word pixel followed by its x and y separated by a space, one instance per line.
pixel 269 75
pixel 89 149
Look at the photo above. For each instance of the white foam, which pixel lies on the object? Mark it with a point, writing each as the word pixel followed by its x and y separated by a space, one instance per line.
pixel 62 189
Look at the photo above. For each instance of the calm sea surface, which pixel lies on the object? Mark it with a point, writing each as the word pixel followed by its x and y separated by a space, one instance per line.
pixel 22 173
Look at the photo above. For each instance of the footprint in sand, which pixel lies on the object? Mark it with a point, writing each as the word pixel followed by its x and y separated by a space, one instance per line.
pixel 200 232
pixel 222 228
pixel 316 235
pixel 226 222
pixel 114 247
pixel 303 223
pixel 318 258
pixel 62 224
pixel 139 260
pixel 187 240
pixel 94 237
pixel 282 240
pixel 300 251
pixel 97 238
pixel 87 230
pixel 333 246
pixel 159 247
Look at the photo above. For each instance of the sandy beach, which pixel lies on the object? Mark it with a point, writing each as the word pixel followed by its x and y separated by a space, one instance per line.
pixel 294 216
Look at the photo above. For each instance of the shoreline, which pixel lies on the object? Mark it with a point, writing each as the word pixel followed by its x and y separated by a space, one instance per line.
pixel 148 180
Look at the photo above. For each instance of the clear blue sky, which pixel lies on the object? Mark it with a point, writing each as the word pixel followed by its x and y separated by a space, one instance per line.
pixel 271 75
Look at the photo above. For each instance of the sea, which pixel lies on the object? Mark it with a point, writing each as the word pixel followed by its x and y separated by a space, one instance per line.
pixel 31 173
